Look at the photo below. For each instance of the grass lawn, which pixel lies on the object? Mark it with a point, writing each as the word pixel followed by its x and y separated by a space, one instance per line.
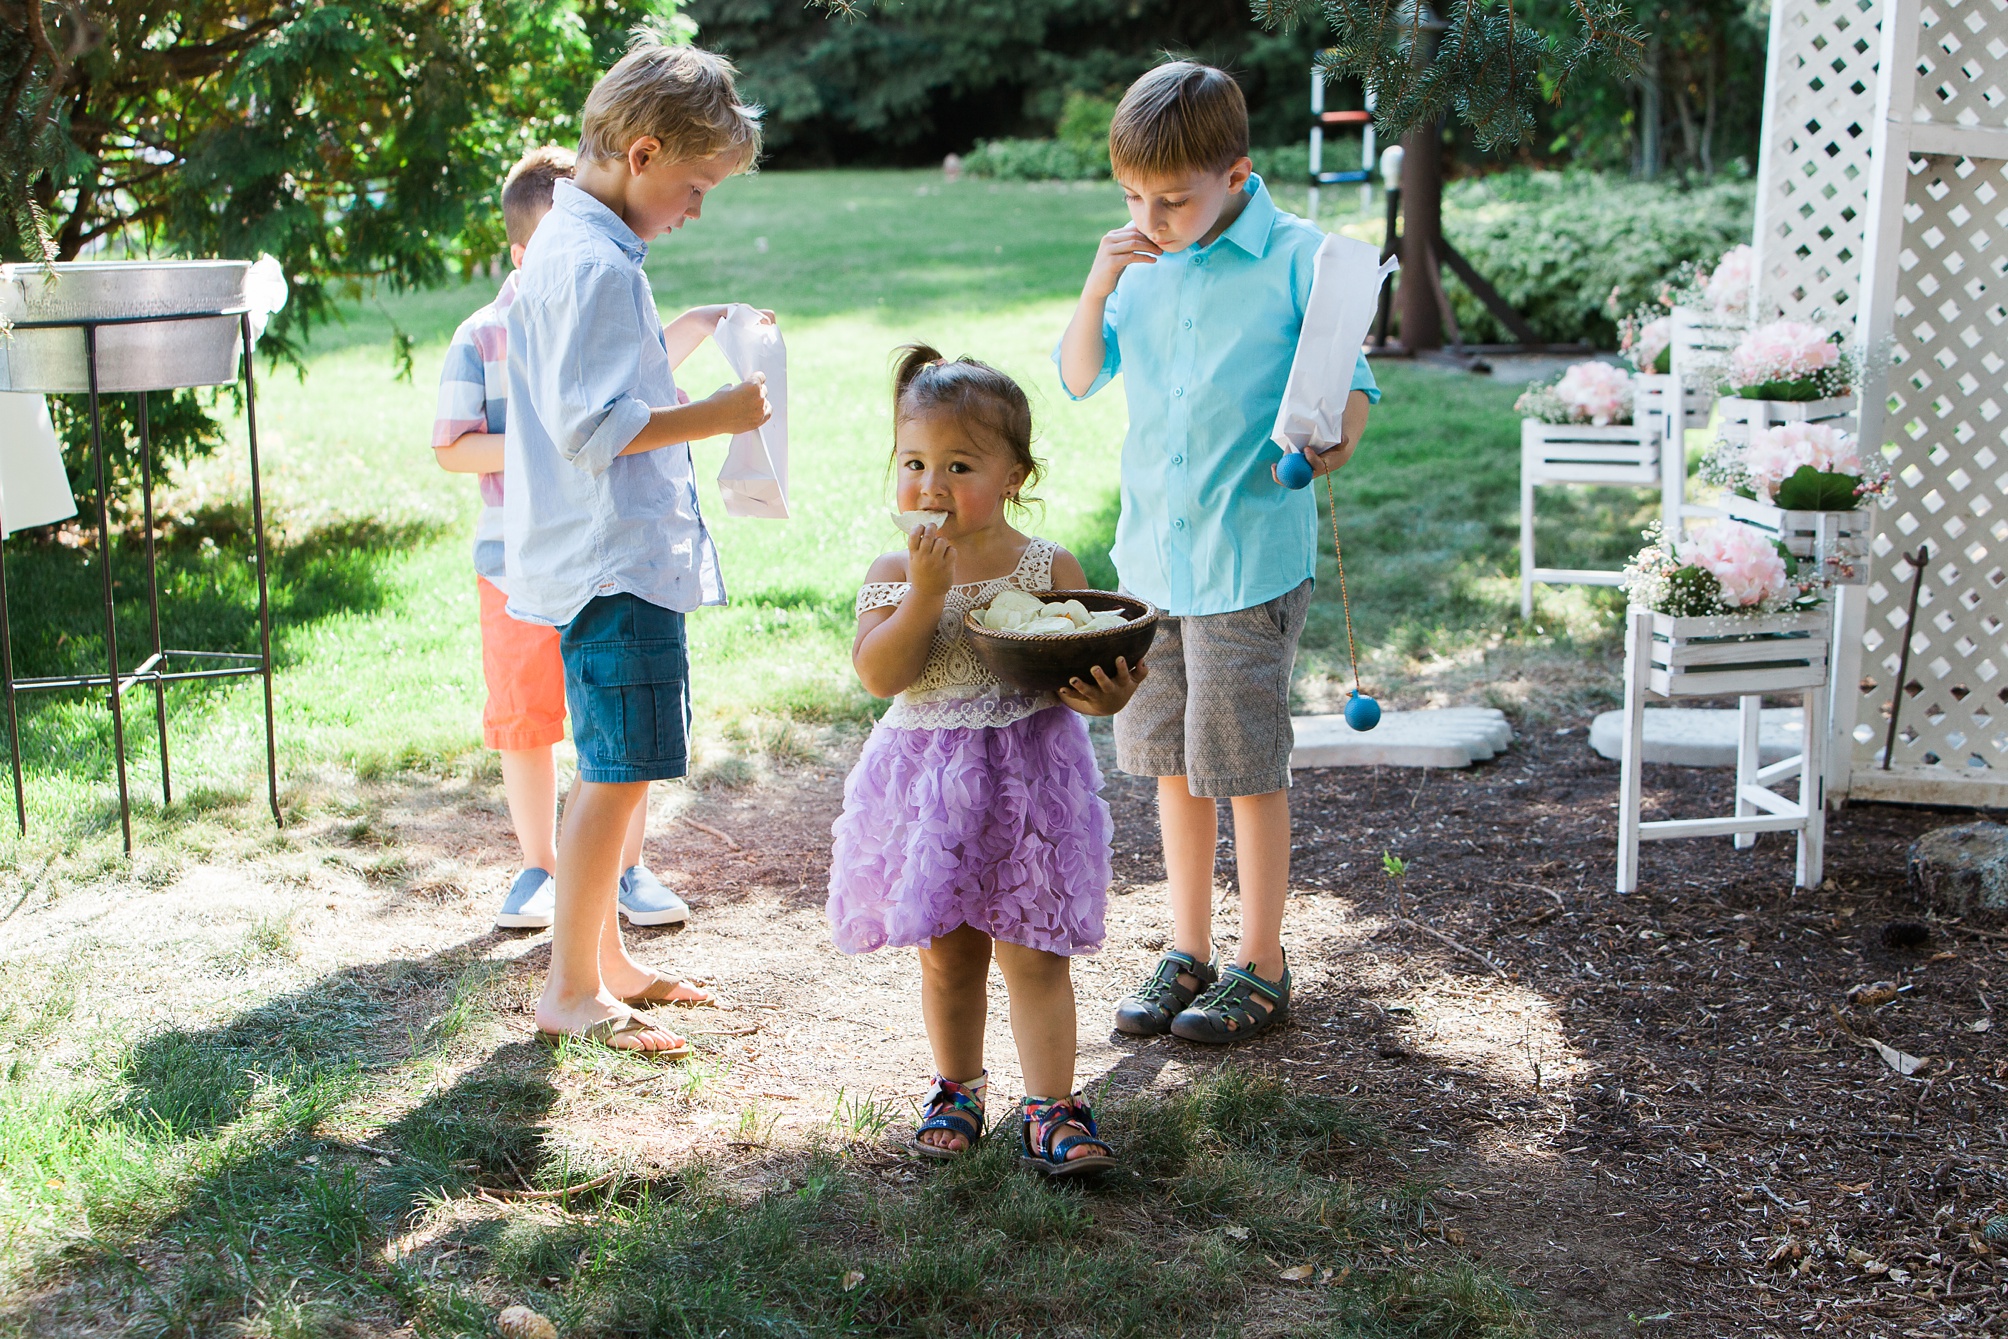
pixel 373 597
pixel 190 1182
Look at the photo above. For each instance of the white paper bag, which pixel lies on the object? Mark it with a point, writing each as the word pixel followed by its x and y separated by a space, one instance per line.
pixel 754 480
pixel 33 488
pixel 1345 297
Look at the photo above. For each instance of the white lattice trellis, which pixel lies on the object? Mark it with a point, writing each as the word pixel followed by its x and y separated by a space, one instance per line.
pixel 1936 295
pixel 1813 166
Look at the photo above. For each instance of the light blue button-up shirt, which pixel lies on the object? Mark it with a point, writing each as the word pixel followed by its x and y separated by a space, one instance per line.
pixel 1204 338
pixel 586 367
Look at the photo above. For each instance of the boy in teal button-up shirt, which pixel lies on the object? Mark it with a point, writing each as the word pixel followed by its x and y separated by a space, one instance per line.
pixel 1199 303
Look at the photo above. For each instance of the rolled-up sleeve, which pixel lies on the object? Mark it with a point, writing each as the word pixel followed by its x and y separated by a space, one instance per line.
pixel 1112 355
pixel 585 381
pixel 1363 380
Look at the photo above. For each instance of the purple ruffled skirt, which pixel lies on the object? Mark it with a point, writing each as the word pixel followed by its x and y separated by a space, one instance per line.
pixel 998 827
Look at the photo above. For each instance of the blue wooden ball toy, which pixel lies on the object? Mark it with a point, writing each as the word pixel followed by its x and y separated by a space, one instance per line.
pixel 1294 470
pixel 1362 712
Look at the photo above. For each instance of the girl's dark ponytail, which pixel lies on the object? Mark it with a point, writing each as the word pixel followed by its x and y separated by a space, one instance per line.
pixel 909 361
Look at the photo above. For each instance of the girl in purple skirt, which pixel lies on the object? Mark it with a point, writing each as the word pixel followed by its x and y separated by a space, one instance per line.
pixel 973 819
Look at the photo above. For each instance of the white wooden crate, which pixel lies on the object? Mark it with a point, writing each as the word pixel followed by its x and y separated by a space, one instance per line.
pixel 1732 654
pixel 1739 417
pixel 1837 540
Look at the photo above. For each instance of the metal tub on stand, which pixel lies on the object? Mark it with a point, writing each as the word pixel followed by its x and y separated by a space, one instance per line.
pixel 102 328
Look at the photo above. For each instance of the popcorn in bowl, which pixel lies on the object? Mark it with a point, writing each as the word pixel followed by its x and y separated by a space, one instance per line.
pixel 1017 611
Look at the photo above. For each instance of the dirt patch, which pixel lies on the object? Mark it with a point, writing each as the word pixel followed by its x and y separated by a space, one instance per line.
pixel 1663 1112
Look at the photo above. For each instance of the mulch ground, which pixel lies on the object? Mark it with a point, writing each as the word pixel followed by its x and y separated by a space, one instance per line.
pixel 1662 1110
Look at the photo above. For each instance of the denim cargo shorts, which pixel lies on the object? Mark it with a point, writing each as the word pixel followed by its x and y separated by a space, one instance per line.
pixel 627 683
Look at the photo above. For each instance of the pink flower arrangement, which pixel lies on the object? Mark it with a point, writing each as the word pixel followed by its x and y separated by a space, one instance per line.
pixel 1729 286
pixel 1648 342
pixel 1776 453
pixel 1744 561
pixel 1783 351
pixel 1598 393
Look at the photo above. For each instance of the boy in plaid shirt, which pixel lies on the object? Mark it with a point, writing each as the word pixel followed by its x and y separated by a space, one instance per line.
pixel 525 714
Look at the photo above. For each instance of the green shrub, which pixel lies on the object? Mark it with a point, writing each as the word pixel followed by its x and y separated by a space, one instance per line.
pixel 1558 245
pixel 1035 160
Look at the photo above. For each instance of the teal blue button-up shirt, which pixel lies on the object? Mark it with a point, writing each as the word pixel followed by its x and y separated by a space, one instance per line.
pixel 1204 338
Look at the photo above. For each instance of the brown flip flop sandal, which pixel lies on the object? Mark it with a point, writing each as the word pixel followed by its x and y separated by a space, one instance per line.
pixel 606 1030
pixel 663 991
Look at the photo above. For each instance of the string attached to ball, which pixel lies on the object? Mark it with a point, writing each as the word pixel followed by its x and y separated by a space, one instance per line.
pixel 1294 470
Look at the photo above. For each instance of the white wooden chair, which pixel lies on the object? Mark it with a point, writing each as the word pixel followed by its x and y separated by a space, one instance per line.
pixel 1625 455
pixel 1745 656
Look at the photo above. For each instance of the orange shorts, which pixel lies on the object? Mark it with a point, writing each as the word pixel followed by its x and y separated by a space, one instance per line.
pixel 526 678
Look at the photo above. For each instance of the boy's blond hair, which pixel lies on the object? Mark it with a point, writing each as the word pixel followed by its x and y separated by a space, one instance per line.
pixel 1180 117
pixel 681 95
pixel 527 190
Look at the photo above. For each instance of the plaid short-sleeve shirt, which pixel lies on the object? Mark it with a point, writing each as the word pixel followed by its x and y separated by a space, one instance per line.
pixel 474 397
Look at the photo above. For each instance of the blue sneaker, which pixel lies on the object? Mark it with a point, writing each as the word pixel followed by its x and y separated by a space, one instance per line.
pixel 646 901
pixel 532 901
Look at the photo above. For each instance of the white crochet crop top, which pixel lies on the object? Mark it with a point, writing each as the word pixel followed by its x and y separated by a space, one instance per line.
pixel 954 689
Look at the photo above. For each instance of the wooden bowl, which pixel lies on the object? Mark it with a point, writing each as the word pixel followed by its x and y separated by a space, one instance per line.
pixel 1044 662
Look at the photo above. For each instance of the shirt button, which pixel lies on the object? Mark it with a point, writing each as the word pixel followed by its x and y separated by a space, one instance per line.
pixel 1178 523
pixel 1188 323
pixel 1178 392
pixel 1178 460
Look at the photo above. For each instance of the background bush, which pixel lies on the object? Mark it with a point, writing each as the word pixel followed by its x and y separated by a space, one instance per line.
pixel 1557 245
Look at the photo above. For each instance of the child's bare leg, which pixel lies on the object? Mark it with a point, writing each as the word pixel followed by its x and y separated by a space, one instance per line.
pixel 1262 862
pixel 637 828
pixel 1190 825
pixel 588 875
pixel 1042 1021
pixel 955 1001
pixel 530 784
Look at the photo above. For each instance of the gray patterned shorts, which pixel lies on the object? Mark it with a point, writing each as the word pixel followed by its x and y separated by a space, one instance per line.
pixel 1216 707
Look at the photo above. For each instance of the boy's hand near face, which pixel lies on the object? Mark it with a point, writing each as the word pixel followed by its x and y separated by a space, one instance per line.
pixel 1120 249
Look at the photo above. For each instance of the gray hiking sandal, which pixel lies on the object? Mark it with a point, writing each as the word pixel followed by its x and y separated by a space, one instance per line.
pixel 1149 1012
pixel 1228 1013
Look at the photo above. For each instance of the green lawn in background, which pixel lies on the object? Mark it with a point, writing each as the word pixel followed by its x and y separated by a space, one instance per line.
pixel 373 592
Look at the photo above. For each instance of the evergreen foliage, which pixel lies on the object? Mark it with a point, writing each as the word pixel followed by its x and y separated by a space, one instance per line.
pixel 1481 61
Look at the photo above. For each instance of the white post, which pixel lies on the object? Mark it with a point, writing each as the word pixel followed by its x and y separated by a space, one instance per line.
pixel 1812 787
pixel 1528 439
pixel 1638 660
pixel 1749 743
pixel 1317 158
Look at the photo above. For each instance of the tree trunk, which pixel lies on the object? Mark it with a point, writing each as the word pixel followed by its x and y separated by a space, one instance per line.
pixel 1689 140
pixel 1422 220
pixel 1648 116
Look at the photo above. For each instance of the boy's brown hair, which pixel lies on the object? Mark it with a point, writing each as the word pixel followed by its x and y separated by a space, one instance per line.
pixel 1180 117
pixel 682 95
pixel 527 190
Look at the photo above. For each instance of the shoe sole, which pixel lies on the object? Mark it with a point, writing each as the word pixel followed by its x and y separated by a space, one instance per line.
pixel 516 920
pixel 654 918
pixel 1060 1171
pixel 1130 1028
pixel 1232 1038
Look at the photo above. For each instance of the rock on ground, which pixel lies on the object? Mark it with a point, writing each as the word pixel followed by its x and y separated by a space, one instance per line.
pixel 1962 871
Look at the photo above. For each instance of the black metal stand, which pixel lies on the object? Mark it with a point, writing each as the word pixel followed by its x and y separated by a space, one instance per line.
pixel 156 669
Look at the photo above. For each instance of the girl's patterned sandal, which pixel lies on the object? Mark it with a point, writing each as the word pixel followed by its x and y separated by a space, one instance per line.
pixel 1228 1012
pixel 1041 1119
pixel 954 1107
